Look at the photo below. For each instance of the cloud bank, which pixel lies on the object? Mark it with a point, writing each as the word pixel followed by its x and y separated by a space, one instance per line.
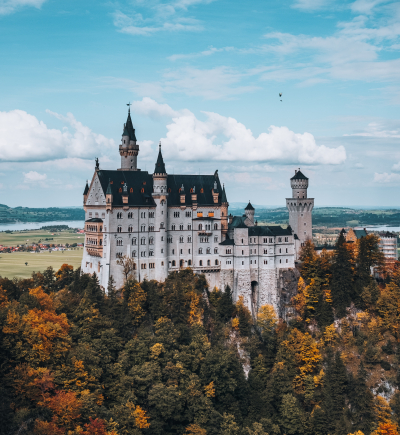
pixel 225 139
pixel 23 138
pixel 10 6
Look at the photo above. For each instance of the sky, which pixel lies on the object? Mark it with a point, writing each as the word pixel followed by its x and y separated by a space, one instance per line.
pixel 204 78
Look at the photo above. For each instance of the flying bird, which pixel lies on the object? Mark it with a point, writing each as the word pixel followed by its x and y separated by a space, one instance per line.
pixel 280 95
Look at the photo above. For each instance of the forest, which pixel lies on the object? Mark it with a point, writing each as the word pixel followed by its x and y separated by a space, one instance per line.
pixel 177 357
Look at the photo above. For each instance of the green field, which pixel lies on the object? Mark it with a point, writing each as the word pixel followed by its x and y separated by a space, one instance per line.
pixel 28 237
pixel 13 265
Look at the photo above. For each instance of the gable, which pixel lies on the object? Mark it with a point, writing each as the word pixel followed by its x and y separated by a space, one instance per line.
pixel 96 194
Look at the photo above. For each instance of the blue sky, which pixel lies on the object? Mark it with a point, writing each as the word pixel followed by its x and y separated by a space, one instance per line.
pixel 203 77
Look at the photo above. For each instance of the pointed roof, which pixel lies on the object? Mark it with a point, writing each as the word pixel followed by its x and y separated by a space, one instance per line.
pixel 249 207
pixel 85 192
pixel 109 191
pixel 128 128
pixel 223 197
pixel 160 166
pixel 299 176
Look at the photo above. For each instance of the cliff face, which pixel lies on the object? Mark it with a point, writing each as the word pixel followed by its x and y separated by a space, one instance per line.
pixel 287 282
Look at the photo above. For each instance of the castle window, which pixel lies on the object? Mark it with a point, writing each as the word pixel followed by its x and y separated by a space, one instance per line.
pixel 151 253
pixel 151 241
pixel 279 239
pixel 134 241
pixel 199 214
pixel 131 190
pixel 242 263
pixel 169 240
pixel 265 261
pixel 251 251
pixel 151 214
pixel 189 251
pixel 188 214
pixel 286 239
pixel 119 230
pixel 216 262
pixel 120 190
pixel 200 227
pixel 173 263
pixel 200 250
pixel 130 229
pixel 208 262
pixel 251 261
pixel 173 227
pixel 162 263
pixel 144 183
pixel 143 266
pixel 242 252
pixel 173 252
pixel 189 239
pixel 189 262
pixel 143 254
pixel 169 190
pixel 280 261
pixel 181 239
pixel 189 227
pixel 191 190
pixel 143 228
pixel 215 226
pixel 280 251
pixel 201 190
pixel 216 239
pixel 242 241
pixel 215 250
pixel 271 240
pixel 255 261
pixel 151 265
pixel 265 251
pixel 181 227
pixel 201 263
pixel 287 260
pixel 142 241
pixel 162 225
pixel 286 251
pixel 151 228
pixel 176 213
pixel 305 223
pixel 229 251
pixel 142 190
pixel 133 253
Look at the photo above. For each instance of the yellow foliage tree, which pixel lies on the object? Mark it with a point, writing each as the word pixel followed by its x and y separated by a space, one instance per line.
pixel 386 429
pixel 267 320
pixel 136 300
pixel 195 429
pixel 210 389
pixel 383 412
pixel 141 419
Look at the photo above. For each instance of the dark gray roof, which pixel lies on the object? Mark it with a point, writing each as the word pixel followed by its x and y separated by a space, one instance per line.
pixel 86 189
pixel 269 231
pixel 360 233
pixel 223 198
pixel 249 206
pixel 299 176
pixel 141 184
pixel 228 242
pixel 238 222
pixel 94 220
pixel 160 166
pixel 128 128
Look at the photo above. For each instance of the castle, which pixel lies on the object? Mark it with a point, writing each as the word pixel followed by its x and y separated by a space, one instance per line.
pixel 167 222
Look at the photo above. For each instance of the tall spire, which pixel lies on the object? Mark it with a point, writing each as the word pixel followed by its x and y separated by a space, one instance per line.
pixel 128 127
pixel 223 196
pixel 109 191
pixel 160 166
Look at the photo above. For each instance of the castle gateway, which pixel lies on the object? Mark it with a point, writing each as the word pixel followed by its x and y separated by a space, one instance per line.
pixel 168 222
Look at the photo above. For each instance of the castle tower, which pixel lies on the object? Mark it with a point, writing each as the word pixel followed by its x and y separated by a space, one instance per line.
pixel 224 213
pixel 160 196
pixel 249 212
pixel 300 209
pixel 129 149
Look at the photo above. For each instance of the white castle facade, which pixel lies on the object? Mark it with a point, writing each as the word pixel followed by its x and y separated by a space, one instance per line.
pixel 167 222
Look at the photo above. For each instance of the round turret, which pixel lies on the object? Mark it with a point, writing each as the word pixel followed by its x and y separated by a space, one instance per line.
pixel 299 184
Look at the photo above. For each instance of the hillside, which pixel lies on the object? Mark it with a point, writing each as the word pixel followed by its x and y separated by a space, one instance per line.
pixel 10 215
pixel 180 358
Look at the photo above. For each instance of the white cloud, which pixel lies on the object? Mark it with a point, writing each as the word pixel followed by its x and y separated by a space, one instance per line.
pixel 211 50
pixel 152 109
pixel 33 176
pixel 10 6
pixel 386 178
pixel 24 138
pixel 311 5
pixel 365 6
pixel 225 139
pixel 377 130
pixel 396 167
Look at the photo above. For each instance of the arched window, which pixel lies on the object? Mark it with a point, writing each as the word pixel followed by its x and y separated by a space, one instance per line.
pixel 130 229
pixel 208 262
pixel 216 262
pixel 133 253
pixel 131 190
pixel 189 262
pixel 151 241
pixel 208 250
pixel 173 263
pixel 173 227
pixel 215 226
pixel 134 241
pixel 120 190
pixel 201 262
pixel 201 190
pixel 200 250
pixel 200 227
pixel 181 239
pixel 142 190
pixel 119 230
pixel 181 227
pixel 142 241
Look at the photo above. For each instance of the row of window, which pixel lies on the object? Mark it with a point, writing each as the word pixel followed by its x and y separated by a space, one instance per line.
pixel 182 263
pixel 103 215
pixel 93 228
pixel 142 228
pixel 90 241
pixel 130 215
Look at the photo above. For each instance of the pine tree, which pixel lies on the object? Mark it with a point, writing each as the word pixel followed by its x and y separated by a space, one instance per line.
pixel 291 416
pixel 225 306
pixel 342 277
pixel 361 402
